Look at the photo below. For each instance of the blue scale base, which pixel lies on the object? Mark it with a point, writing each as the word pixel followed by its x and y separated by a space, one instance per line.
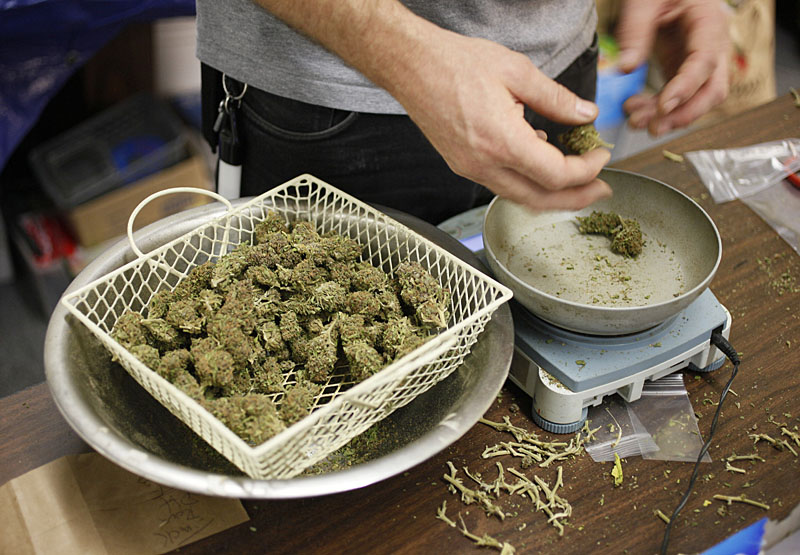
pixel 581 362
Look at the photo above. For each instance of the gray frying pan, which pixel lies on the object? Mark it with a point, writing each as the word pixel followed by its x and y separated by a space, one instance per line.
pixel 576 282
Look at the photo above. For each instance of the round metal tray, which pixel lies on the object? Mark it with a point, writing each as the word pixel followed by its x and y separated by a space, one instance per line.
pixel 121 421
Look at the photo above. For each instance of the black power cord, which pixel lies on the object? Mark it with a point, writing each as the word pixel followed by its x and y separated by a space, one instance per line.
pixel 719 341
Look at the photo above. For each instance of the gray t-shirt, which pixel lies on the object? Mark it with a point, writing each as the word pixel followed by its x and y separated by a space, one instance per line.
pixel 244 41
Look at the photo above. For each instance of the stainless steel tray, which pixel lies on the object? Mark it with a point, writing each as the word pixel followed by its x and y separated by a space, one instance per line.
pixel 118 418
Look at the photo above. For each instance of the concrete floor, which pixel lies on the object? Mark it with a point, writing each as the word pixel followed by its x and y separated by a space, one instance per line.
pixel 23 323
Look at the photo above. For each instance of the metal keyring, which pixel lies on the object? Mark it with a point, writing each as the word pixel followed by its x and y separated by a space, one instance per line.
pixel 228 94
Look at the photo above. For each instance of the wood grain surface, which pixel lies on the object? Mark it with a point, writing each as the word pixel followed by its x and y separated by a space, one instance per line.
pixel 757 282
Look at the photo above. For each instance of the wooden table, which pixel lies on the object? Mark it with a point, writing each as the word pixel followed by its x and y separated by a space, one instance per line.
pixel 756 282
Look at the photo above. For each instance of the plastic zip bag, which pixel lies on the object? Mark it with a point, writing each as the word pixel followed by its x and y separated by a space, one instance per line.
pixel 665 413
pixel 734 173
pixel 661 425
pixel 616 433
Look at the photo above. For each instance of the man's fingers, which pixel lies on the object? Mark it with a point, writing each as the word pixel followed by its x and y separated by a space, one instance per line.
pixel 518 188
pixel 547 166
pixel 548 98
pixel 635 33
pixel 708 96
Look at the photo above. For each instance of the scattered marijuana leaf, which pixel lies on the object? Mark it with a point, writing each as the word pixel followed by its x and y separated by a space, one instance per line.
pixel 616 472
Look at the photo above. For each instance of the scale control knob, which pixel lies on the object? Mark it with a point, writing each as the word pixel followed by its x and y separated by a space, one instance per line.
pixel 556 428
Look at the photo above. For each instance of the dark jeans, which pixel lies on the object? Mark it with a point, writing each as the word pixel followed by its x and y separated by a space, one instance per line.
pixel 378 158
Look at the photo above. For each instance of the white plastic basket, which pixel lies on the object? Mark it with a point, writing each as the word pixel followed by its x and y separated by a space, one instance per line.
pixel 342 410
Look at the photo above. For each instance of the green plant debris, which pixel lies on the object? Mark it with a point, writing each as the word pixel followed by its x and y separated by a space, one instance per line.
pixel 256 335
pixel 616 471
pixel 582 139
pixel 531 449
pixel 741 499
pixel 661 515
pixel 470 496
pixel 625 234
pixel 672 156
pixel 785 282
pixel 751 457
pixel 779 444
pixel 612 427
pixel 481 541
pixel 730 468
pixel 793 435
pixel 545 498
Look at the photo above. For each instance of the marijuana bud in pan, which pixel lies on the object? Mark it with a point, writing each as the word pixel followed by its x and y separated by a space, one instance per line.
pixel 625 234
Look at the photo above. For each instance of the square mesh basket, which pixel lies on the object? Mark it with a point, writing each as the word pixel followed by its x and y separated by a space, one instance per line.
pixel 343 409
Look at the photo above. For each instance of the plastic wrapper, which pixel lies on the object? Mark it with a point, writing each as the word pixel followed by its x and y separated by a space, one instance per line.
pixel 734 173
pixel 757 176
pixel 779 206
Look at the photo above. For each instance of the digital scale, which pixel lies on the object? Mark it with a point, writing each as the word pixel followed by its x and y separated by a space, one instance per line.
pixel 565 372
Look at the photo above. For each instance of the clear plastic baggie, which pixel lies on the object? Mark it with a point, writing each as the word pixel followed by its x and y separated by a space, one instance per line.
pixel 343 409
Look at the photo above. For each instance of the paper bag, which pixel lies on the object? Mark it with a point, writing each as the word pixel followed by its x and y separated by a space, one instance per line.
pixel 85 504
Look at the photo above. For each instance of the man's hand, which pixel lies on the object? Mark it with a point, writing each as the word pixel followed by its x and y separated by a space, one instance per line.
pixel 690 40
pixel 469 99
pixel 467 95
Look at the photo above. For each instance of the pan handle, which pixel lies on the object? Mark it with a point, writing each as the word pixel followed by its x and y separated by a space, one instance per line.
pixel 158 194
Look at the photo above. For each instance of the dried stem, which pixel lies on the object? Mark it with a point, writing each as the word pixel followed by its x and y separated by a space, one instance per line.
pixel 741 499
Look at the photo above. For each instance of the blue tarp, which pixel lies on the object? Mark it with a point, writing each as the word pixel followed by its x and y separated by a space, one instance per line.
pixel 43 42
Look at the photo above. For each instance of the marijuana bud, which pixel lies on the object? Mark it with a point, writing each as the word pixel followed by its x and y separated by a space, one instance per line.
pixel 367 277
pixel 322 354
pixel 364 360
pixel 329 296
pixel 173 363
pixel 272 223
pixel 252 417
pixel 128 330
pixel 196 280
pixel 625 234
pixel 147 354
pixel 582 139
pixel 182 315
pixel 364 303
pixel 159 303
pixel 214 367
pixel 423 293
pixel 165 335
pixel 298 401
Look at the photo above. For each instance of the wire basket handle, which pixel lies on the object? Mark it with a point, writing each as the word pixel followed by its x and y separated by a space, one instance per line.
pixel 158 194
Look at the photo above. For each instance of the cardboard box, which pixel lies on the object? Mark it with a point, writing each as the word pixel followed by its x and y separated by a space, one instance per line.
pixel 106 217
